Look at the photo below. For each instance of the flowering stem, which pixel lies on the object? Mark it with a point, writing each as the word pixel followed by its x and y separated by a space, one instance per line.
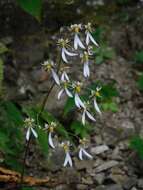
pixel 38 115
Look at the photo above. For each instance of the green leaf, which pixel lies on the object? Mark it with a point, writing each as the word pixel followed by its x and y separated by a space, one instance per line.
pixel 140 82
pixel 1 74
pixel 13 113
pixel 69 106
pixel 43 141
pixel 33 7
pixel 109 91
pixel 99 59
pixel 110 106
pixel 136 144
pixel 79 129
pixel 3 48
pixel 139 57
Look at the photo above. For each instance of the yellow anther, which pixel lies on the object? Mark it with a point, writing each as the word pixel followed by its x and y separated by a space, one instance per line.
pixel 51 129
pixel 66 147
pixel 97 94
pixel 78 89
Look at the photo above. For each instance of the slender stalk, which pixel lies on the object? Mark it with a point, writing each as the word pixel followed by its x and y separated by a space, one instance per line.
pixel 24 161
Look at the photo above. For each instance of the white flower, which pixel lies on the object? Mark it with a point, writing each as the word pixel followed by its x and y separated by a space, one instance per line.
pixel 82 152
pixel 96 106
pixel 49 66
pixel 89 36
pixel 86 113
pixel 65 89
pixel 85 60
pixel 77 88
pixel 29 123
pixel 64 43
pixel 78 101
pixel 50 128
pixel 96 94
pixel 68 159
pixel 77 42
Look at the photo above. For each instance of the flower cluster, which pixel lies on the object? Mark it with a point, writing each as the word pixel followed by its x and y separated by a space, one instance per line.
pixel 80 51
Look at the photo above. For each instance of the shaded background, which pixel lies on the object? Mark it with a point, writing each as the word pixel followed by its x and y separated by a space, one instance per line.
pixel 119 31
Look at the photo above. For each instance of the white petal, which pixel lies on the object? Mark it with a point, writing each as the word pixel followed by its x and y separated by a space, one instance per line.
pixel 69 53
pixel 79 43
pixel 87 154
pixel 34 132
pixel 80 154
pixel 90 116
pixel 63 77
pixel 87 38
pixel 68 93
pixel 56 78
pixel 69 159
pixel 83 118
pixel 50 140
pixel 78 101
pixel 96 107
pixel 64 56
pixel 28 134
pixel 75 42
pixel 92 39
pixel 60 93
pixel 86 71
pixel 66 160
pixel 66 76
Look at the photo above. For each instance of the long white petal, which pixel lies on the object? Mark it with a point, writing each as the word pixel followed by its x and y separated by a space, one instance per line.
pixel 55 77
pixel 87 38
pixel 68 93
pixel 60 93
pixel 28 134
pixel 80 103
pixel 92 39
pixel 64 56
pixel 69 53
pixel 79 43
pixel 83 118
pixel 86 71
pixel 80 154
pixel 90 116
pixel 76 100
pixel 66 76
pixel 69 159
pixel 87 154
pixel 50 140
pixel 62 77
pixel 34 132
pixel 75 42
pixel 66 160
pixel 96 107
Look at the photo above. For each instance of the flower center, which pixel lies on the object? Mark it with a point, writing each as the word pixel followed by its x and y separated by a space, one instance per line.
pixel 78 89
pixel 97 93
pixel 66 147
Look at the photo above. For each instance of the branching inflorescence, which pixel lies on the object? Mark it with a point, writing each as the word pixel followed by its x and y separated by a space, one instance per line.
pixel 80 51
